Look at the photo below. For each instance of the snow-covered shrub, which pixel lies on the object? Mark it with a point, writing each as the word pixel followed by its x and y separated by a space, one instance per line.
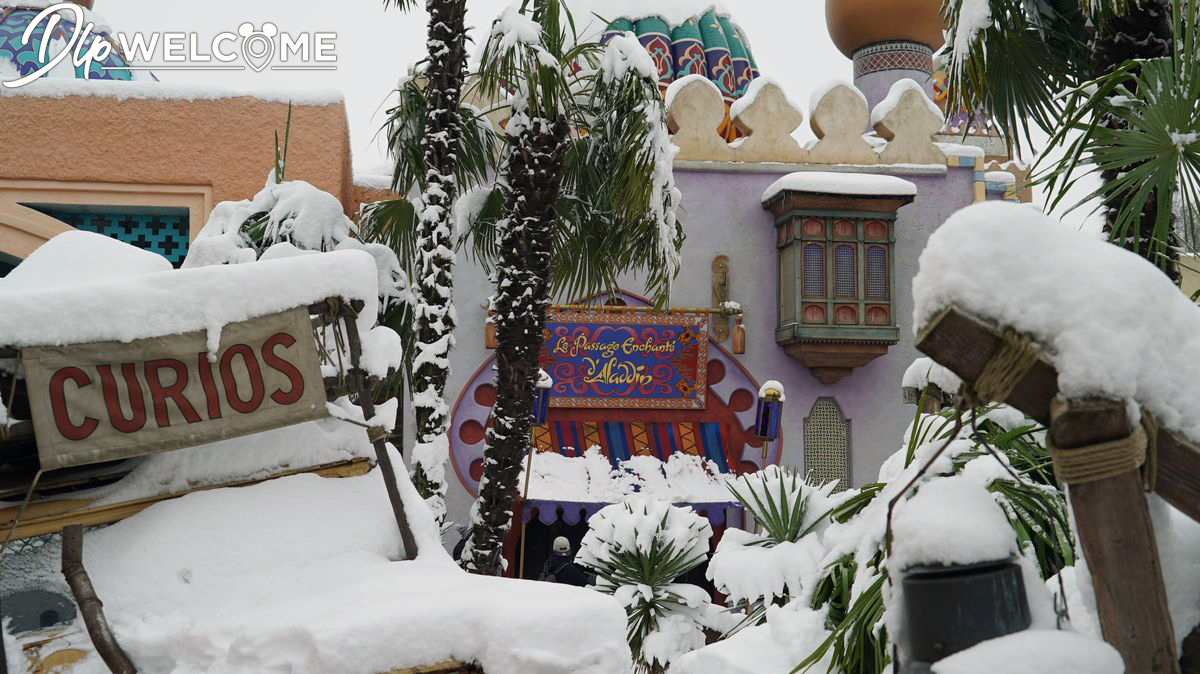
pixel 638 548
pixel 767 566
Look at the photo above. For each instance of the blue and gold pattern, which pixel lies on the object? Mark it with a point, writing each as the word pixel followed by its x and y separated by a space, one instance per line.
pixel 24 57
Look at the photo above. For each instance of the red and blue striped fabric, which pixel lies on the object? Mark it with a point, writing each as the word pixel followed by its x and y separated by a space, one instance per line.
pixel 619 440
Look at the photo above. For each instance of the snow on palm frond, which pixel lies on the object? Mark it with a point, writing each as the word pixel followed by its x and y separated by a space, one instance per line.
pixel 638 549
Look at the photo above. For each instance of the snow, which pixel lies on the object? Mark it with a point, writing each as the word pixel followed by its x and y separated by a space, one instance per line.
pixel 590 478
pixel 623 55
pixel 825 182
pixel 1004 177
pixel 160 91
pixel 467 208
pixel 896 92
pixel 675 87
pixel 155 303
pixel 78 257
pixel 827 86
pixel 974 16
pixel 743 568
pixel 925 371
pixel 960 150
pixel 295 575
pixel 750 96
pixel 791 633
pixel 772 385
pixel 544 379
pixel 950 521
pixel 1111 324
pixel 513 28
pixel 1036 652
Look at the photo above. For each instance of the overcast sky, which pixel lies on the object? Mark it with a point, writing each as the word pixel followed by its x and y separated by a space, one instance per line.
pixel 375 47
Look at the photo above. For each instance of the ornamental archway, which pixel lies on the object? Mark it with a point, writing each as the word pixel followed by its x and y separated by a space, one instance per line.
pixel 722 431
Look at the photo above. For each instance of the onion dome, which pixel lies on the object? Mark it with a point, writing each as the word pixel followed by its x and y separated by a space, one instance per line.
pixel 854 24
pixel 16 17
pixel 708 44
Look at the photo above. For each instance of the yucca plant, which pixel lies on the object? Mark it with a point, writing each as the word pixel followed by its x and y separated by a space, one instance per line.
pixel 1034 506
pixel 638 549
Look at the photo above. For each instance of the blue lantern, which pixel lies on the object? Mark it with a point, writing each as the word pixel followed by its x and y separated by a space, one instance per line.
pixel 769 413
pixel 541 398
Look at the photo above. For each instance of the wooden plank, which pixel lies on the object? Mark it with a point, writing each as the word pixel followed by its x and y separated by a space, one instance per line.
pixel 51 516
pixel 90 606
pixel 1177 479
pixel 1117 538
pixel 964 343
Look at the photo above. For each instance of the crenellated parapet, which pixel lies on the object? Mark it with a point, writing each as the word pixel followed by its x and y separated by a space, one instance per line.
pixel 905 123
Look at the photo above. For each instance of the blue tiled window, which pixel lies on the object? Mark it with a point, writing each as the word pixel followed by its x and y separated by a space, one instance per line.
pixel 160 230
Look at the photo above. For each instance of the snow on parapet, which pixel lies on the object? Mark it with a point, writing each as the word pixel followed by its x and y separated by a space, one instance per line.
pixel 889 103
pixel 590 478
pixel 827 86
pixel 1112 324
pixel 154 303
pixel 161 91
pixel 825 182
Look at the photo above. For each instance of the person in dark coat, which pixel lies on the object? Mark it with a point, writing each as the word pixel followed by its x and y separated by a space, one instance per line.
pixel 561 566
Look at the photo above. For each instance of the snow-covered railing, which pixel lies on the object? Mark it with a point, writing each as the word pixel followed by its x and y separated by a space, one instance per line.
pixel 1057 324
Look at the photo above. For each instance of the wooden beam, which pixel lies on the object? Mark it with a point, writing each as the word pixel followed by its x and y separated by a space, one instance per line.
pixel 963 343
pixel 1117 538
pixel 90 606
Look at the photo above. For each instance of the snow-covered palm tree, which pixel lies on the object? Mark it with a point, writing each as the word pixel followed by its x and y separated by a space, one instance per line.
pixel 587 192
pixel 1106 80
pixel 438 143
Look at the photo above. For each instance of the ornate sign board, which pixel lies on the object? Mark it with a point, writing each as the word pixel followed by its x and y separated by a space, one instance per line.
pixel 626 360
pixel 105 401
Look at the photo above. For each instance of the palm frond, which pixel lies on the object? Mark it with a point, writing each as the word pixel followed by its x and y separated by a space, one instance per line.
pixel 1013 68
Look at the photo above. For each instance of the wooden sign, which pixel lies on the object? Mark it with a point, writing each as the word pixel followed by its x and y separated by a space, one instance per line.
pixel 105 401
pixel 626 360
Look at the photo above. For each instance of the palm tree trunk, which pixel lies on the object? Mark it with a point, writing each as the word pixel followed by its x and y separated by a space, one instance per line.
pixel 533 173
pixel 445 69
pixel 1144 32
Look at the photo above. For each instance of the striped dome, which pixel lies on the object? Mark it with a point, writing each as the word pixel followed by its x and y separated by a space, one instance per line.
pixel 710 45
pixel 15 18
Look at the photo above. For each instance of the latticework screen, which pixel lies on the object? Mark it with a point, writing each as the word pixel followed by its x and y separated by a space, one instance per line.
pixel 827 443
pixel 843 271
pixel 814 270
pixel 877 282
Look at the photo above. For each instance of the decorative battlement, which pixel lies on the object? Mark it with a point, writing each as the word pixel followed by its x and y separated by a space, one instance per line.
pixel 905 122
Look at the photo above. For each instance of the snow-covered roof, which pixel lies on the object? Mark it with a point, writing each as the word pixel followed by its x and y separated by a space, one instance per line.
pixel 591 478
pixel 161 91
pixel 826 182
pixel 137 297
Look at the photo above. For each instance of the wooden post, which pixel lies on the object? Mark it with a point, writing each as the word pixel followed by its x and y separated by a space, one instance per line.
pixel 358 383
pixel 1117 538
pixel 90 606
pixel 521 510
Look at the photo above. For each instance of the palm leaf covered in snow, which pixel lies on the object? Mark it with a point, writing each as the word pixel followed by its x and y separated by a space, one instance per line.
pixel 638 549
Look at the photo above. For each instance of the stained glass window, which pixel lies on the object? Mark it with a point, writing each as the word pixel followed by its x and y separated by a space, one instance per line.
pixel 845 281
pixel 877 272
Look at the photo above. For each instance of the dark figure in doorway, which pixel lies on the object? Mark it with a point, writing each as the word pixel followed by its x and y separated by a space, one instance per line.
pixel 561 566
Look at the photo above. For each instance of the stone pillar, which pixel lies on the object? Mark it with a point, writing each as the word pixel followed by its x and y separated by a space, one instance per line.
pixel 879 65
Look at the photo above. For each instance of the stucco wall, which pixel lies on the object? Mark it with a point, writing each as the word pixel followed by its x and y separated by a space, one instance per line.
pixel 723 215
pixel 223 147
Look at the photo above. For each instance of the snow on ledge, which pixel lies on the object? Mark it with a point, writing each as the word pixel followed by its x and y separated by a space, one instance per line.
pixel 826 182
pixel 161 91
pixel 889 103
pixel 925 371
pixel 150 303
pixel 1111 323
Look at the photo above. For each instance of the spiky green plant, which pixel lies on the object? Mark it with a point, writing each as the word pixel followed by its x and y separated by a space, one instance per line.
pixel 638 549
